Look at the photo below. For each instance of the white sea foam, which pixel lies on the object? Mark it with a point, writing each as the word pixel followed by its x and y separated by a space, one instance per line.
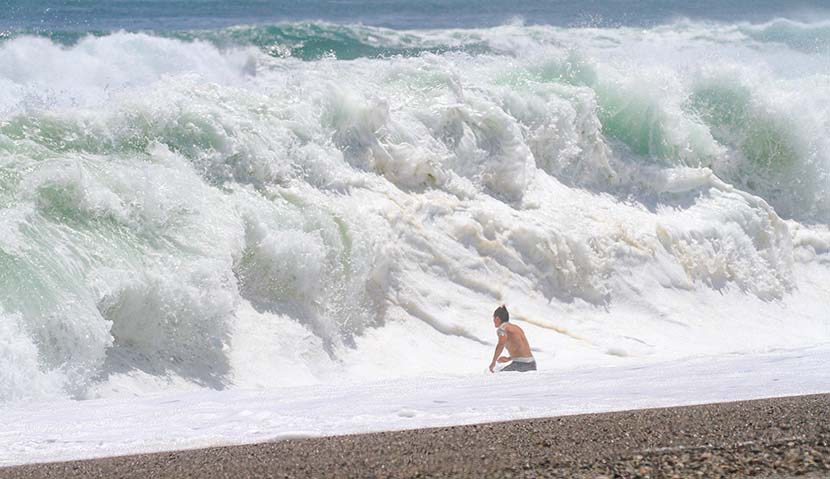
pixel 72 430
pixel 177 216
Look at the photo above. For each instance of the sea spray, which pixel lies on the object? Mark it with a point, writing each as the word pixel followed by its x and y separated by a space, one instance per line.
pixel 197 210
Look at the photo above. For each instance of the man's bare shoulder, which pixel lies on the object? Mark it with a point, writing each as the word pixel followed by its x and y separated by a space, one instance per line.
pixel 510 327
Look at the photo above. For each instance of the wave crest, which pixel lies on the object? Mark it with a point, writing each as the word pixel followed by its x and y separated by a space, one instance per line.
pixel 174 210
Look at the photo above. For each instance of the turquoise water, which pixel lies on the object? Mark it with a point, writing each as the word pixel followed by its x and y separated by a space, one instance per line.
pixel 310 30
pixel 158 15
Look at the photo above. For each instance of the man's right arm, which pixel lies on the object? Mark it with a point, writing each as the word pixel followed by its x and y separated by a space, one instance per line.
pixel 499 349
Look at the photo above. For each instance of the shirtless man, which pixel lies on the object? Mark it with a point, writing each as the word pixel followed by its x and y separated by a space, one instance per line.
pixel 513 338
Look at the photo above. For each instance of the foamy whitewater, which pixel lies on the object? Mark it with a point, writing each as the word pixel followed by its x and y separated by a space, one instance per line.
pixel 312 204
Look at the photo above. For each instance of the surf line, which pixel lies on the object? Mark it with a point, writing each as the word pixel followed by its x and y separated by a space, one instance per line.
pixel 553 327
pixel 410 307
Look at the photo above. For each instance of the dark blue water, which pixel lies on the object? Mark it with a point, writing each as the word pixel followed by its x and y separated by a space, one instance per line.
pixel 160 15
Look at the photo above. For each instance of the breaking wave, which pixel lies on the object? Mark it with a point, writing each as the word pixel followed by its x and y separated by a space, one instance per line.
pixel 298 203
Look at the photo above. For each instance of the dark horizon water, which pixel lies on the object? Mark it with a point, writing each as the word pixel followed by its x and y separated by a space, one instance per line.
pixel 160 15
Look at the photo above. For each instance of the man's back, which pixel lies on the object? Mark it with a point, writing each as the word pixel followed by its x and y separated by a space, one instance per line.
pixel 517 345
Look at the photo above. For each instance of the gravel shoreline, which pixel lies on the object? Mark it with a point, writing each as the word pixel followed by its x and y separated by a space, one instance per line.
pixel 779 437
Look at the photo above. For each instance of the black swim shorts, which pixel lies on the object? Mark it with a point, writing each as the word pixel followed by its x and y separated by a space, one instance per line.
pixel 521 367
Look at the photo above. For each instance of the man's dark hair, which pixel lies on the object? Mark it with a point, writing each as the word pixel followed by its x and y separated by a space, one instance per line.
pixel 502 314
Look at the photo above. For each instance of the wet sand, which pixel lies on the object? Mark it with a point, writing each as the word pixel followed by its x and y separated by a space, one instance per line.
pixel 782 437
